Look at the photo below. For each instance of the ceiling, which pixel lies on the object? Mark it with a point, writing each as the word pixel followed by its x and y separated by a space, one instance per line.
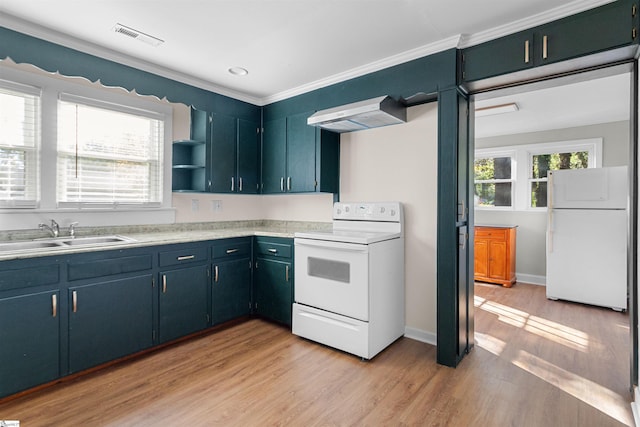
pixel 288 46
pixel 595 101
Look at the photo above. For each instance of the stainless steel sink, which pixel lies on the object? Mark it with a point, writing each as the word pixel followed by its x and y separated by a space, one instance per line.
pixel 97 240
pixel 18 246
pixel 65 242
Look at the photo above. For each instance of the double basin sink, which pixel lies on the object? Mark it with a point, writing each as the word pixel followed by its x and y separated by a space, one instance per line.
pixel 63 242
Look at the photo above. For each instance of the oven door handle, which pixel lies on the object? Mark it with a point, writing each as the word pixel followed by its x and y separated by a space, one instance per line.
pixel 339 246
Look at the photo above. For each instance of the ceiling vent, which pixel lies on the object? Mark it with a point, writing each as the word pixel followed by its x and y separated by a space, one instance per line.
pixel 138 35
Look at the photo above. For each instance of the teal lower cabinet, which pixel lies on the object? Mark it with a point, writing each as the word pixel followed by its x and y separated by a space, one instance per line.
pixel 183 303
pixel 108 320
pixel 231 290
pixel 29 341
pixel 273 278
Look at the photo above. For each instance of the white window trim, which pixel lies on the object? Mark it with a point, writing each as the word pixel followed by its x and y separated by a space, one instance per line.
pixel 522 157
pixel 11 218
pixel 500 152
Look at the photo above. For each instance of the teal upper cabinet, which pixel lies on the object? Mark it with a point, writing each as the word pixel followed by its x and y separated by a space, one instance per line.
pixel 298 158
pixel 222 147
pixel 274 142
pixel 247 171
pixel 226 161
pixel 607 27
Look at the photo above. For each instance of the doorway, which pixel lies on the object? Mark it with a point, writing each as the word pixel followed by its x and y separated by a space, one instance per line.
pixel 591 114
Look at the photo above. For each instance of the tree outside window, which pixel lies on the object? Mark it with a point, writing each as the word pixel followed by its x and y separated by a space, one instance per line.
pixel 493 182
pixel 541 164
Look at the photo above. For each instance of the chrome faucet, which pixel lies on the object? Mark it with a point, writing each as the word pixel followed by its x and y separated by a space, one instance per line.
pixel 72 229
pixel 54 228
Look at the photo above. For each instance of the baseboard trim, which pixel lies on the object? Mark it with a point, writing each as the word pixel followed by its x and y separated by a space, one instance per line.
pixel 420 335
pixel 531 279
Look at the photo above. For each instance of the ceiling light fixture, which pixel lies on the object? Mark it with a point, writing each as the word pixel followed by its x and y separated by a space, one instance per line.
pixel 138 35
pixel 496 109
pixel 238 71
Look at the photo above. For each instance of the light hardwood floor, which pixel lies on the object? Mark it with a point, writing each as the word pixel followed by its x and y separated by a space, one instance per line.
pixel 535 363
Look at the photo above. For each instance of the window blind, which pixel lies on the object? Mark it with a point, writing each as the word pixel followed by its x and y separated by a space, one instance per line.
pixel 108 155
pixel 19 144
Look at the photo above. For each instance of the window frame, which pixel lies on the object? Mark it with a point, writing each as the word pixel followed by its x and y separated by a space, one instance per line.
pixel 522 166
pixel 32 153
pixel 12 218
pixel 112 107
pixel 492 154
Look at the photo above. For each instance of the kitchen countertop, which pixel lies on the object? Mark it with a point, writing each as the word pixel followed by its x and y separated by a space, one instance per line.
pixel 159 235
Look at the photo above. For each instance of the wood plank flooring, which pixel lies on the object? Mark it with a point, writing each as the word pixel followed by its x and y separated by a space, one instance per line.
pixel 535 363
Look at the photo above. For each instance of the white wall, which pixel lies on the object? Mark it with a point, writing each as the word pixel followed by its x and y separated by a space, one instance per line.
pixel 399 163
pixel 531 233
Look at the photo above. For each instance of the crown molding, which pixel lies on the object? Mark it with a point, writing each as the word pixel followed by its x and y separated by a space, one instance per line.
pixel 559 12
pixel 20 25
pixel 390 61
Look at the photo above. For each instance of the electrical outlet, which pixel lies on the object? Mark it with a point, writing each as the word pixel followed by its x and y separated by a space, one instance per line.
pixel 216 205
pixel 195 205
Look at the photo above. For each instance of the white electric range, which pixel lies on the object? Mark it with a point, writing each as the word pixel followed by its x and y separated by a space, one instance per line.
pixel 349 287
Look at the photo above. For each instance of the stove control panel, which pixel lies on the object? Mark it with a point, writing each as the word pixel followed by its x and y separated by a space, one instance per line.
pixel 373 211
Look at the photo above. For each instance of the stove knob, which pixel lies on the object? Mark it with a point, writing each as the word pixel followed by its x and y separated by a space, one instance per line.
pixel 393 212
pixel 346 209
pixel 382 209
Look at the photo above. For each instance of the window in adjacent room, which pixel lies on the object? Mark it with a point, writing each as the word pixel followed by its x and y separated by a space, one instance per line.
pixel 541 164
pixel 108 155
pixel 19 144
pixel 493 181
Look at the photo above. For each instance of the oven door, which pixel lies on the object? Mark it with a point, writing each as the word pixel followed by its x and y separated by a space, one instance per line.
pixel 333 276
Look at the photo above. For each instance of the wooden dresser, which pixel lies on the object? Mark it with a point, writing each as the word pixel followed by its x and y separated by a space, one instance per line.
pixel 495 254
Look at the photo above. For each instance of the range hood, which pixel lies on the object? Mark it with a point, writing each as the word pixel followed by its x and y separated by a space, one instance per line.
pixel 372 113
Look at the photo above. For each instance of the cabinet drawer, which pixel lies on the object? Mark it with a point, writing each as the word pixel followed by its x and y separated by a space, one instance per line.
pixel 38 275
pixel 280 250
pixel 82 268
pixel 233 247
pixel 183 256
pixel 491 233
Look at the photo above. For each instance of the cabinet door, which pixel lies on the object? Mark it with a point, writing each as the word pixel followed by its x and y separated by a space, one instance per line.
pixel 223 154
pixel 498 259
pixel 301 154
pixel 595 30
pixel 231 290
pixel 481 258
pixel 29 341
pixel 248 155
pixel 505 55
pixel 183 306
pixel 273 156
pixel 108 320
pixel 273 289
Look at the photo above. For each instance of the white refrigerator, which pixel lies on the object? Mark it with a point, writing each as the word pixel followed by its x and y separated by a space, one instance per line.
pixel 587 236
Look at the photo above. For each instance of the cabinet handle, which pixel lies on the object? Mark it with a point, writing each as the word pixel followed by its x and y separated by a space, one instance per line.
pixel 164 283
pixel 288 183
pixel 232 183
pixel 286 273
pixel 240 184
pixel 54 305
pixel 282 184
pixel 185 257
pixel 215 273
pixel 232 251
pixel 74 301
pixel 526 51
pixel 273 251
pixel 209 184
pixel 544 47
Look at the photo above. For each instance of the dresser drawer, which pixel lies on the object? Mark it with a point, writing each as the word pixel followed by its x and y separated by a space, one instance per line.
pixel 490 233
